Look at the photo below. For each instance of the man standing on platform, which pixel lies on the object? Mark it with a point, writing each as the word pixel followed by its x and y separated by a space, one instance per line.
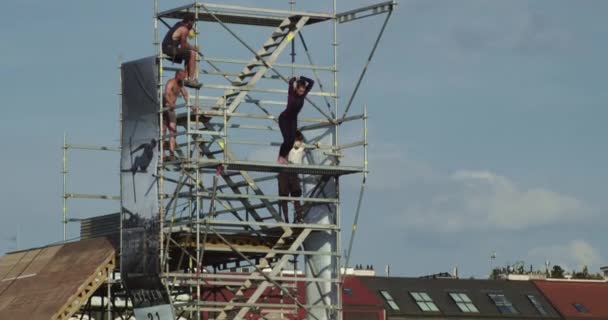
pixel 289 182
pixel 176 46
pixel 173 89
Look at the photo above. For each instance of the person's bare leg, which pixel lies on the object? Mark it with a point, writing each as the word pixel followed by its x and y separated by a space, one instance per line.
pixel 284 208
pixel 173 128
pixel 192 80
pixel 192 66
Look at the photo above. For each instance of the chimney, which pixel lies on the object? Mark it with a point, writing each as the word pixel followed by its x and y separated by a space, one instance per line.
pixel 387 270
pixel 455 272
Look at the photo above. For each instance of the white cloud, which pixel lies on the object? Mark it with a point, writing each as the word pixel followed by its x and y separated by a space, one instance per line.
pixel 573 255
pixel 420 197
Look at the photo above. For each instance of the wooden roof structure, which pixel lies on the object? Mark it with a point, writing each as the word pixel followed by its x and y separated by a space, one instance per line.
pixel 53 282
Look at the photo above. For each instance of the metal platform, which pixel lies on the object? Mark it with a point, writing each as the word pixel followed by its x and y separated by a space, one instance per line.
pixel 241 15
pixel 254 166
pixel 53 282
pixel 220 247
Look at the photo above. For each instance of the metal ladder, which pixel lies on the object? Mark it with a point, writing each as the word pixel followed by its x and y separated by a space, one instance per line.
pixel 262 285
pixel 249 76
pixel 264 58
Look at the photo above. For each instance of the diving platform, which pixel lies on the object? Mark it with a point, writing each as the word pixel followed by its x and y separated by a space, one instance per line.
pixel 257 166
pixel 240 15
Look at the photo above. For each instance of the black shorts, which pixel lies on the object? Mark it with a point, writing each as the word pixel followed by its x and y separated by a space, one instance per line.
pixel 177 54
pixel 289 185
pixel 169 116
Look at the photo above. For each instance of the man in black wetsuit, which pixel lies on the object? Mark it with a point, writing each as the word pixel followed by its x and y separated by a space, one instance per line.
pixel 288 120
pixel 176 46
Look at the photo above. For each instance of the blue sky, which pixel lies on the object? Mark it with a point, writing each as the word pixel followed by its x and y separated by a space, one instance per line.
pixel 487 126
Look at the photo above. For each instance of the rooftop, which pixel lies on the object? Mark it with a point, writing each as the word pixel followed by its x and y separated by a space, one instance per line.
pixel 490 299
pixel 577 299
pixel 53 281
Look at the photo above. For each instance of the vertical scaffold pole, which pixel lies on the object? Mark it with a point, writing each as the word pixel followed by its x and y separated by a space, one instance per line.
pixel 292 6
pixel 64 173
pixel 192 204
pixel 336 141
pixel 109 292
pixel 160 167
pixel 119 159
pixel 225 128
pixel 365 142
pixel 199 201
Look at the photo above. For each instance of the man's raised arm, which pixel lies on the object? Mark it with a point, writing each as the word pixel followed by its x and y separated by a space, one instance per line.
pixel 309 83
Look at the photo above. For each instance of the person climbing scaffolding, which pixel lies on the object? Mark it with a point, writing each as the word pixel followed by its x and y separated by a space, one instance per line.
pixel 173 89
pixel 288 120
pixel 289 182
pixel 176 46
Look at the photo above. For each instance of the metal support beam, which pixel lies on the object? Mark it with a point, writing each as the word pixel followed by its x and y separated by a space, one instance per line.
pixel 369 60
pixel 364 12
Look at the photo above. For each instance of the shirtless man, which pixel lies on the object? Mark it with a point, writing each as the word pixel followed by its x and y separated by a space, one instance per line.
pixel 173 89
pixel 176 46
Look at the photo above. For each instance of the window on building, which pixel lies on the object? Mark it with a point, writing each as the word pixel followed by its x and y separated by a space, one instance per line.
pixel 424 301
pixel 539 306
pixel 502 303
pixel 580 308
pixel 389 299
pixel 463 302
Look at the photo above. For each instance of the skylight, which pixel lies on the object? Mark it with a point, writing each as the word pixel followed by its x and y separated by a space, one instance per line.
pixel 539 306
pixel 424 301
pixel 502 303
pixel 463 302
pixel 580 308
pixel 348 291
pixel 389 299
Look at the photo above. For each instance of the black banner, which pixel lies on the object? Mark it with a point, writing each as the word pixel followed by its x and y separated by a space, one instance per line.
pixel 140 263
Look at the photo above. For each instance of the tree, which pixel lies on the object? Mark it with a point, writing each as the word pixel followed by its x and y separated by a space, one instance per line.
pixel 495 274
pixel 586 275
pixel 585 272
pixel 557 272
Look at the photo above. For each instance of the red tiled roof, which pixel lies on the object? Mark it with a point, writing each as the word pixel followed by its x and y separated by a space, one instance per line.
pixel 356 295
pixel 359 302
pixel 564 294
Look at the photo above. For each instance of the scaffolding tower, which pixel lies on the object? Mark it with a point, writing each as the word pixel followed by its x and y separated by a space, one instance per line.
pixel 226 252
pixel 66 195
